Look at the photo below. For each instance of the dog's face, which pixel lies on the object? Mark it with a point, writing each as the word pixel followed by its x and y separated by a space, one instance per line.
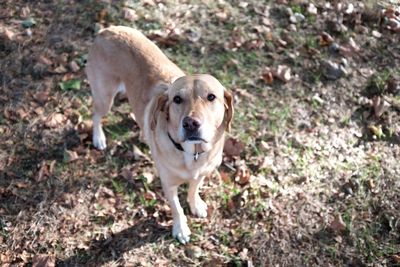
pixel 197 108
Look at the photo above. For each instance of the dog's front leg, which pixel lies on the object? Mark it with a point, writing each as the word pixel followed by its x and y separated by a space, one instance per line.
pixel 180 229
pixel 197 206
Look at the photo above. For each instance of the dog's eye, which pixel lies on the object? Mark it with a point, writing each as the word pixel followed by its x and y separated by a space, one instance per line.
pixel 177 99
pixel 210 97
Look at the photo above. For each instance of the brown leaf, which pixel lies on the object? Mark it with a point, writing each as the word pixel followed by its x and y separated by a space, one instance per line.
pixel 84 127
pixel 7 34
pixel 21 113
pixel 41 97
pixel 267 77
pixel 379 105
pixel 60 69
pixel 233 147
pixel 396 258
pixel 225 177
pixel 338 224
pixel 21 184
pixel 70 156
pixel 127 173
pixel 43 261
pixel 55 120
pixel 43 172
pixel 242 175
pixel 393 86
pixel 325 39
pixel 44 60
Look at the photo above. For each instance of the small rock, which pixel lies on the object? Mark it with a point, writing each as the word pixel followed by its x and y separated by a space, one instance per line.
pixel 293 19
pixel 361 29
pixel 376 34
pixel 344 62
pixel 289 11
pixel 130 14
pixel 194 252
pixel 74 66
pixel 193 36
pixel 334 48
pixel 292 28
pixel 311 9
pixel 299 17
pixel 350 9
pixel 333 71
pixel 28 32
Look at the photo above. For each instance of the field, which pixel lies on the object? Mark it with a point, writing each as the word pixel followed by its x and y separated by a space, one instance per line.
pixel 311 170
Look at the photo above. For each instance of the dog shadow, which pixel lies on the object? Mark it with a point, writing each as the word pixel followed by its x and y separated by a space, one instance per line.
pixel 102 251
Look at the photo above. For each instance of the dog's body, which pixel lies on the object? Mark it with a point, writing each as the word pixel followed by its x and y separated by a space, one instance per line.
pixel 183 118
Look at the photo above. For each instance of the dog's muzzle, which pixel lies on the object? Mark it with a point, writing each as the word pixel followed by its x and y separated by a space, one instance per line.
pixel 191 128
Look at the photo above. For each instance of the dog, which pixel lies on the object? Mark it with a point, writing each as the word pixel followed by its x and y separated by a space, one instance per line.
pixel 183 118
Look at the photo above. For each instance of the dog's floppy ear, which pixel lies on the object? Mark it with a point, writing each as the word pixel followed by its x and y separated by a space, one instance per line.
pixel 228 103
pixel 159 105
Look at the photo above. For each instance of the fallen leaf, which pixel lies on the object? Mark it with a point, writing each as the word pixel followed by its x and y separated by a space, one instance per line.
pixel 8 34
pixel 43 172
pixel 41 97
pixel 130 14
pixel 127 173
pixel 242 175
pixel 325 39
pixel 396 258
pixel 55 120
pixel 283 73
pixel 377 131
pixel 267 77
pixel 379 105
pixel 225 177
pixel 43 261
pixel 70 156
pixel 85 127
pixel 233 147
pixel 21 184
pixel 138 154
pixel 28 23
pixel 149 177
pixel 338 224
pixel 60 69
pixel 73 84
pixel 74 67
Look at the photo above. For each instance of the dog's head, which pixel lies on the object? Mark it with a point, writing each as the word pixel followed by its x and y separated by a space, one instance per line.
pixel 197 108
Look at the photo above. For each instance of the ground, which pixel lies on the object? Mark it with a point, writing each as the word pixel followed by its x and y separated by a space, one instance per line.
pixel 310 175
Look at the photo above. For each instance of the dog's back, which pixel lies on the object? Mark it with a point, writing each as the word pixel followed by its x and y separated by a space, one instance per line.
pixel 122 57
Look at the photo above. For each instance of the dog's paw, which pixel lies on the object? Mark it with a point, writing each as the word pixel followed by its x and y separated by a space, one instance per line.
pixel 181 231
pixel 99 140
pixel 199 208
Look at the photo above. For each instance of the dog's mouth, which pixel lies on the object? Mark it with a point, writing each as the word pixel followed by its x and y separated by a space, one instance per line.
pixel 195 139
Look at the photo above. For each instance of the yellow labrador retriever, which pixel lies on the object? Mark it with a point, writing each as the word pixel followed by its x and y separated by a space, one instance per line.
pixel 183 117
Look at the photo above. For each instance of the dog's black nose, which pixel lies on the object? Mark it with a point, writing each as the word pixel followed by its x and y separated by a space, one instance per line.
pixel 190 124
